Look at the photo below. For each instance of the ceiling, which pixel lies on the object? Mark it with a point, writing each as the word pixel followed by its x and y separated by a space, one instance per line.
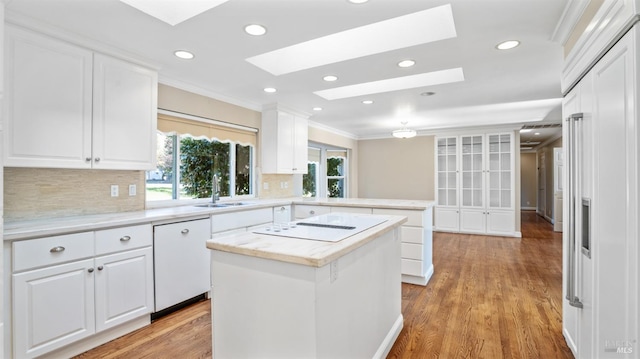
pixel 509 87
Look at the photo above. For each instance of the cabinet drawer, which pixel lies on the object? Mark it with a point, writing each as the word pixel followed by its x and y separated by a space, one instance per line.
pixel 51 250
pixel 411 267
pixel 304 211
pixel 123 238
pixel 233 220
pixel 411 251
pixel 351 210
pixel 414 218
pixel 412 235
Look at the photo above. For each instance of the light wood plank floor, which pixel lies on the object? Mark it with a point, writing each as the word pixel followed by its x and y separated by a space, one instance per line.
pixel 490 297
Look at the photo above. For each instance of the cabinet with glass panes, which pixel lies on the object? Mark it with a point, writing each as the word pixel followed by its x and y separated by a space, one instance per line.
pixel 476 171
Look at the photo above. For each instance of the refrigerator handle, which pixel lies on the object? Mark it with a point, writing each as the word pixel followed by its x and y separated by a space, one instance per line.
pixel 573 168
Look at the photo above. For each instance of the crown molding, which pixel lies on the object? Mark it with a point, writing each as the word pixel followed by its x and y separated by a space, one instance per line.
pixel 31 24
pixel 570 17
pixel 332 130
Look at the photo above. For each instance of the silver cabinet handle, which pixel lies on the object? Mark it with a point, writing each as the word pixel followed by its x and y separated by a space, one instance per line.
pixel 282 208
pixel 90 270
pixel 100 267
pixel 88 159
pixel 97 159
pixel 57 249
pixel 312 212
pixel 185 231
pixel 125 239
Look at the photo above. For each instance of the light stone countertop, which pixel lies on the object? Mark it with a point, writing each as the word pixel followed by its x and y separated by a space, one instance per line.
pixel 300 251
pixel 20 230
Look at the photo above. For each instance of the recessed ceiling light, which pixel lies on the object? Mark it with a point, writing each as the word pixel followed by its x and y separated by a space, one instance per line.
pixel 537 134
pixel 417 28
pixel 394 84
pixel 406 63
pixel 330 78
pixel 510 44
pixel 269 90
pixel 317 108
pixel 367 102
pixel 525 130
pixel 183 54
pixel 255 30
pixel 427 93
pixel 358 1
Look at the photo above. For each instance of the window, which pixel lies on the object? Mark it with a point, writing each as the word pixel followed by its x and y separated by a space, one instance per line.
pixel 327 167
pixel 190 154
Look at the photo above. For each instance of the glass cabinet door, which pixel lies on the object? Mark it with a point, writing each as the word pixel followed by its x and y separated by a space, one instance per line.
pixel 472 179
pixel 500 171
pixel 447 171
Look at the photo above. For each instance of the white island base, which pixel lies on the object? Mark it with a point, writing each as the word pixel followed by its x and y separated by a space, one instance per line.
pixel 346 308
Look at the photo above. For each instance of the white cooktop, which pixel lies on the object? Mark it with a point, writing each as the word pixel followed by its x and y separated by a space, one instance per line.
pixel 331 227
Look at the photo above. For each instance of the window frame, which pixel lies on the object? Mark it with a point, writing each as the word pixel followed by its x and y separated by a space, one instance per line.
pixel 177 201
pixel 322 180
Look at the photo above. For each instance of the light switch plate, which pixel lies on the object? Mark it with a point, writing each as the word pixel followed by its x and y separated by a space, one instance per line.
pixel 114 190
pixel 132 190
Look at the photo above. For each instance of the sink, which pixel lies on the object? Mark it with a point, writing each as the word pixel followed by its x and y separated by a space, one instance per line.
pixel 221 205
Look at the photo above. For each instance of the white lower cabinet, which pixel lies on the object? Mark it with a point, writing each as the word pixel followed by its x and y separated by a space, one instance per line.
pixel 446 219
pixel 123 287
pixel 52 307
pixel 473 220
pixel 70 287
pixel 304 211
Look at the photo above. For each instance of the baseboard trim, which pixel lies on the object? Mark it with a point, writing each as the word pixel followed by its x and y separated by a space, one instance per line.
pixel 418 280
pixel 390 339
pixel 528 208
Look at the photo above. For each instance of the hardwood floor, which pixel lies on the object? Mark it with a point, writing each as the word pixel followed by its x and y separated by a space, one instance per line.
pixel 490 297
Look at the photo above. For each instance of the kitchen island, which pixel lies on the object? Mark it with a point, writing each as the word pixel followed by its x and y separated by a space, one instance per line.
pixel 284 297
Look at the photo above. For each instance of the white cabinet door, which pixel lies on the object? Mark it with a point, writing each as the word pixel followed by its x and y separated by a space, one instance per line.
pixel 447 219
pixel 282 214
pixel 473 220
pixel 124 115
pixel 124 287
pixel 48 102
pixel 284 139
pixel 233 220
pixel 500 222
pixel 52 307
pixel 181 261
pixel 300 145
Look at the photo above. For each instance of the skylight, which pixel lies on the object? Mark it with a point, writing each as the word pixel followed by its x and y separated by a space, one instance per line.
pixel 173 12
pixel 404 31
pixel 394 84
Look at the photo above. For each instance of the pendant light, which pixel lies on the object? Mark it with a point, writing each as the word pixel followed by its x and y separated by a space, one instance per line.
pixel 404 132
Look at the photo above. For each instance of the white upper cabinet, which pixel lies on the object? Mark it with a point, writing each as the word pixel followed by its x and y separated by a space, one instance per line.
pixel 284 142
pixel 124 114
pixel 67 107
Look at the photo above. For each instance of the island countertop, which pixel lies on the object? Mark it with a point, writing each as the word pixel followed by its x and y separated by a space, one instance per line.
pixel 300 251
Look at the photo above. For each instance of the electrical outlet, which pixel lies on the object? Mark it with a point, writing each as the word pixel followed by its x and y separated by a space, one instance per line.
pixel 132 190
pixel 286 185
pixel 265 185
pixel 114 190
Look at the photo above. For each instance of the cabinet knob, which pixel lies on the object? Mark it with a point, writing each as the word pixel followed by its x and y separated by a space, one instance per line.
pixel 100 267
pixel 184 231
pixel 312 212
pixel 125 239
pixel 90 270
pixel 88 159
pixel 57 249
pixel 97 159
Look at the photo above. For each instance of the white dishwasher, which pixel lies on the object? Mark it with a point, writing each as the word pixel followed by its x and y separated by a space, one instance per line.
pixel 182 267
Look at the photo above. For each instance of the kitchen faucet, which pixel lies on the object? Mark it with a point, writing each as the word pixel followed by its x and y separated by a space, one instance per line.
pixel 215 195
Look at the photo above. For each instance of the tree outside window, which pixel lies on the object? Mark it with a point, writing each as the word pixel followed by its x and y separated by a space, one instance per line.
pixel 186 166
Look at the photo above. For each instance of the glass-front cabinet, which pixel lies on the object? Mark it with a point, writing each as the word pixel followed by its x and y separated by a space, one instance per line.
pixel 474 182
pixel 446 212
